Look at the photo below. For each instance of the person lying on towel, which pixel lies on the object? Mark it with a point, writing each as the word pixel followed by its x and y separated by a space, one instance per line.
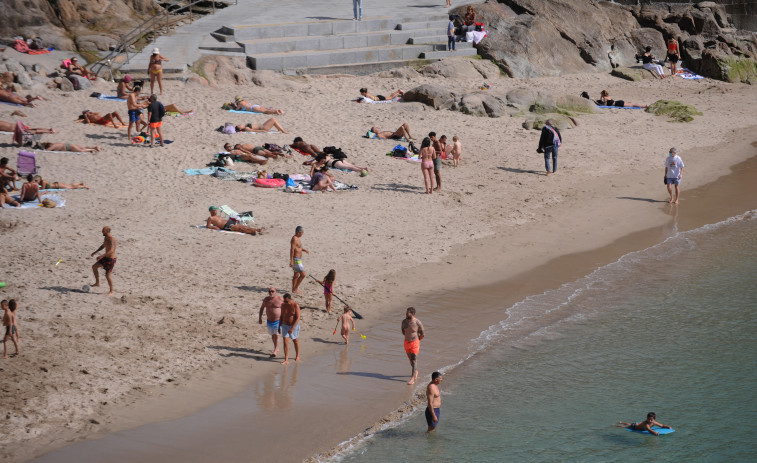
pixel 216 222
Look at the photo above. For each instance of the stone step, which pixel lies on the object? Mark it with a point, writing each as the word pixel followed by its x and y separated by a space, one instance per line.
pixel 439 38
pixel 448 54
pixel 222 37
pixel 334 42
pixel 210 43
pixel 436 25
pixel 320 58
pixel 269 31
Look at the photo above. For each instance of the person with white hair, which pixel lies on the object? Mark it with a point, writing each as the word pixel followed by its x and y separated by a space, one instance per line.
pixel 155 70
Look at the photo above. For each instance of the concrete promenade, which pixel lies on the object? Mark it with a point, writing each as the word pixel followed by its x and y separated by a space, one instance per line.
pixel 182 45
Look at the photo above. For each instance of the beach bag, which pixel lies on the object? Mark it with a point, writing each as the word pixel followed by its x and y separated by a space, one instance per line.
pixel 399 152
pixel 414 149
pixel 272 147
pixel 290 182
pixel 228 129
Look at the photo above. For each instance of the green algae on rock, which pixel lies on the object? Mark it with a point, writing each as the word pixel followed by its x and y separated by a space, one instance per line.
pixel 677 111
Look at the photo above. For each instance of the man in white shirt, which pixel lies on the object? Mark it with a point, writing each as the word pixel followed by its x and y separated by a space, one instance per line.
pixel 673 173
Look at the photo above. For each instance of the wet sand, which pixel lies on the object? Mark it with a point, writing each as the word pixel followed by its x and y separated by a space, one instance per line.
pixel 332 396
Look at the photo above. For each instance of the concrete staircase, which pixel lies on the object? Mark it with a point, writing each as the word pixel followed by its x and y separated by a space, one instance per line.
pixel 357 47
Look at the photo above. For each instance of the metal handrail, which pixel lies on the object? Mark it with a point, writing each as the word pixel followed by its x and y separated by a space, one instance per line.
pixel 148 26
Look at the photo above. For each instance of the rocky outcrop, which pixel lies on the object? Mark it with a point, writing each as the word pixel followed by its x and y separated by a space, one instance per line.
pixel 435 96
pixel 93 24
pixel 530 38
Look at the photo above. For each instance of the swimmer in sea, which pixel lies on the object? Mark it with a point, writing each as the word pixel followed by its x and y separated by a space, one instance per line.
pixel 645 425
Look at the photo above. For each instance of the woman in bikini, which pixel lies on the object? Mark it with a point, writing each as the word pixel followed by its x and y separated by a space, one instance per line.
pixel 674 55
pixel 264 127
pixel 328 288
pixel 244 105
pixel 427 164
pixel 155 70
pixel 605 100
pixel 90 117
pixel 45 185
pixel 326 160
pixel 68 147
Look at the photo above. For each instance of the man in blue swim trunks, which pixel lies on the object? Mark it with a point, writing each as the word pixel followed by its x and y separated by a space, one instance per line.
pixel 272 305
pixel 433 409
pixel 290 327
pixel 135 111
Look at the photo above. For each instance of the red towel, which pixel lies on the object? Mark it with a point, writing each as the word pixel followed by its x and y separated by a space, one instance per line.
pixel 23 47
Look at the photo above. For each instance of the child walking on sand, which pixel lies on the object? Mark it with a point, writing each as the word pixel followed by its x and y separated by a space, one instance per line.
pixel 328 288
pixel 9 322
pixel 345 320
pixel 455 150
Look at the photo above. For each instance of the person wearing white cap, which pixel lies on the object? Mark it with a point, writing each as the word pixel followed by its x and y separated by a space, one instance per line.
pixel 155 70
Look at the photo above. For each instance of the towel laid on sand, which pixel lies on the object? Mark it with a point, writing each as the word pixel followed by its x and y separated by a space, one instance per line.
pixel 111 98
pixel 236 111
pixel 203 227
pixel 60 201
pixel 175 114
pixel 370 101
pixel 619 107
pixel 687 74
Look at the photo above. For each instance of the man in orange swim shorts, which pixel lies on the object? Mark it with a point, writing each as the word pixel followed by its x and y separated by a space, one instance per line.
pixel 412 328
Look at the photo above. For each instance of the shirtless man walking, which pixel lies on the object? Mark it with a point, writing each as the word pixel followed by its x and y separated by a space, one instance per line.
pixel 135 111
pixel 107 261
pixel 272 306
pixel 290 327
pixel 434 398
pixel 412 328
pixel 295 259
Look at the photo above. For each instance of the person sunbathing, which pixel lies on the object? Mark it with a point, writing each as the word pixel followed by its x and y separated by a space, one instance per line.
pixel 30 190
pixel 244 156
pixel 45 185
pixel 264 127
pixel 215 222
pixel 68 147
pixel 10 97
pixel 403 131
pixel 76 69
pixel 252 150
pixel 305 147
pixel 605 100
pixel 240 104
pixel 365 95
pixel 172 108
pixel 6 198
pixel 321 180
pixel 325 160
pixel 90 117
pixel 11 126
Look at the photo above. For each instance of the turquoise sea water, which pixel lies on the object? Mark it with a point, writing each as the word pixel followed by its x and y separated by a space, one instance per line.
pixel 671 329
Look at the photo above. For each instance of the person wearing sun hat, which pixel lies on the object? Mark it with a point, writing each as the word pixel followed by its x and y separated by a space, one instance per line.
pixel 123 89
pixel 155 70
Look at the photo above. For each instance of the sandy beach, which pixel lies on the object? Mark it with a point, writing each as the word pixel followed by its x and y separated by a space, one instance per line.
pixel 92 364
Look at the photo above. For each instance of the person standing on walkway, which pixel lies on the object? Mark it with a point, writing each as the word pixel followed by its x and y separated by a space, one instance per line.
pixel 673 174
pixel 272 306
pixel 155 70
pixel 412 328
pixel 549 142
pixel 434 399
pixel 451 33
pixel 357 9
pixel 295 259
pixel 155 113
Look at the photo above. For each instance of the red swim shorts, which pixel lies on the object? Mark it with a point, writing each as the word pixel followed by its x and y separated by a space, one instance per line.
pixel 155 125
pixel 413 347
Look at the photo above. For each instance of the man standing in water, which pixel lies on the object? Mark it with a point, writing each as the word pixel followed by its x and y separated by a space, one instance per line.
pixel 295 259
pixel 272 305
pixel 412 328
pixel 673 174
pixel 107 261
pixel 290 327
pixel 433 409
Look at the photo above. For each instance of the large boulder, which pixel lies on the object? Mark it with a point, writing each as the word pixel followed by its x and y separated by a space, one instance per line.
pixel 432 95
pixel 481 104
pixel 452 68
pixel 84 83
pixel 634 74
pixel 527 98
pixel 404 72
pixel 561 121
pixel 576 104
pixel 95 42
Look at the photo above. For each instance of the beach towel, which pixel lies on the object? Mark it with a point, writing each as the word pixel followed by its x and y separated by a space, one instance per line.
pixel 619 107
pixel 303 186
pixel 373 136
pixel 175 114
pixel 687 74
pixel 22 47
pixel 60 201
pixel 207 171
pixel 236 111
pixel 111 98
pixel 12 104
pixel 370 101
pixel 203 227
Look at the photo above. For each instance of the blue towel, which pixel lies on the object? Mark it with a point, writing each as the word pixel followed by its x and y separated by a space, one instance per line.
pixel 620 107
pixel 243 112
pixel 111 98
pixel 207 171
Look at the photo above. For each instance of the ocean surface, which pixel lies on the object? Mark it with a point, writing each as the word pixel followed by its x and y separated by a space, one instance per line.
pixel 671 329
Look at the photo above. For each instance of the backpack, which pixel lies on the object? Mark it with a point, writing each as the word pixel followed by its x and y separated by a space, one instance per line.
pixel 414 149
pixel 335 153
pixel 399 152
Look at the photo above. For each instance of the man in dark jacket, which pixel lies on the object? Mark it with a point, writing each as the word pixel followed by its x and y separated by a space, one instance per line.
pixel 155 113
pixel 549 142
